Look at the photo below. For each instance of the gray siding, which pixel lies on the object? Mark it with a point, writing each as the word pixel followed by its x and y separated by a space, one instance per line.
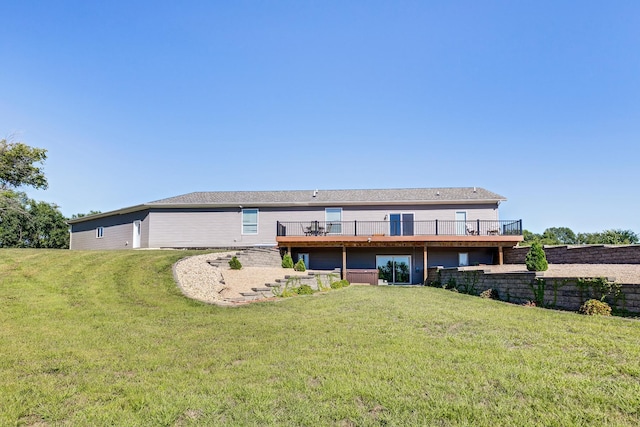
pixel 421 213
pixel 118 232
pixel 449 257
pixel 199 228
pixel 365 258
pixel 196 228
pixel 321 258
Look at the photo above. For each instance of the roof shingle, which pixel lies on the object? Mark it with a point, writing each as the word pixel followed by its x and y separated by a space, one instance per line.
pixel 408 195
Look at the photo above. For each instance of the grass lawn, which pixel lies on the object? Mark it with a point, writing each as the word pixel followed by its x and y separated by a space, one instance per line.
pixel 106 338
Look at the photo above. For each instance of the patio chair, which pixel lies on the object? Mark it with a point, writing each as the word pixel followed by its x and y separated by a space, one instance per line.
pixel 328 229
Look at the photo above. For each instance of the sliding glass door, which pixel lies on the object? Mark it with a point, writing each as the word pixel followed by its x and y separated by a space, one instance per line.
pixel 394 269
pixel 401 224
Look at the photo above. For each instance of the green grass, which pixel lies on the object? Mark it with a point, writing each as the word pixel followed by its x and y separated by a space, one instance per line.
pixel 105 338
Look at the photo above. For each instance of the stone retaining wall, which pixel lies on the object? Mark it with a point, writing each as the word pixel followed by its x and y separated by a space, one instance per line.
pixel 579 254
pixel 559 292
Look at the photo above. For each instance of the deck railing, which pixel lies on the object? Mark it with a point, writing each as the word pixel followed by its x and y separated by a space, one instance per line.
pixel 476 227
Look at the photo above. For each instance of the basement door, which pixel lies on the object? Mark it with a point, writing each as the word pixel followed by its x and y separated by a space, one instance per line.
pixel 394 269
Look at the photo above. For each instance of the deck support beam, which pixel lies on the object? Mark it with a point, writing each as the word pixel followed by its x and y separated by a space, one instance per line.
pixel 500 256
pixel 344 263
pixel 424 265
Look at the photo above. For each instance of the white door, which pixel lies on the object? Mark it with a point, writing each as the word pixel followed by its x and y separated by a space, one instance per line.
pixel 136 234
pixel 461 223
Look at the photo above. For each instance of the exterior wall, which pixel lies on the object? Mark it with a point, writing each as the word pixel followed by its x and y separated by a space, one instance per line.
pixel 365 258
pixel 198 228
pixel 223 227
pixel 320 258
pixel 421 212
pixel 118 232
pixel 559 292
pixel 448 257
pixel 583 254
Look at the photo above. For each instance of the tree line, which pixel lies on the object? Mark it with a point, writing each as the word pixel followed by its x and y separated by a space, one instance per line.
pixel 566 236
pixel 24 222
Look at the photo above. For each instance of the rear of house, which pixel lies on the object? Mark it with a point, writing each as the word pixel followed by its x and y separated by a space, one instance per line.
pixel 394 232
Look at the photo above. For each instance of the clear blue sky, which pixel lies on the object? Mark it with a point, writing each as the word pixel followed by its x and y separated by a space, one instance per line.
pixel 136 101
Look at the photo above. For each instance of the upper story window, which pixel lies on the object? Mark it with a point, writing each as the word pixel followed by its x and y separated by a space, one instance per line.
pixel 99 232
pixel 333 218
pixel 249 221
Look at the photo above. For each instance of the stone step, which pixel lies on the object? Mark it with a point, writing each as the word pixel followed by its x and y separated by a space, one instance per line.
pixel 265 289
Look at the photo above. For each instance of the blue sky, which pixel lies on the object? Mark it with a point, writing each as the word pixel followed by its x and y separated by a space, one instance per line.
pixel 136 101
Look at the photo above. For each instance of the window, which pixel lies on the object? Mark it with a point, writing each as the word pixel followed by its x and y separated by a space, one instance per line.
pixel 333 218
pixel 463 259
pixel 249 221
pixel 99 232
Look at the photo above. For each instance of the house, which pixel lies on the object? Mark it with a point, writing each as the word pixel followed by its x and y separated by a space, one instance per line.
pixel 392 232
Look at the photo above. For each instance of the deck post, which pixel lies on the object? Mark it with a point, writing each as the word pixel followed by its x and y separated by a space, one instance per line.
pixel 344 263
pixel 424 266
pixel 500 256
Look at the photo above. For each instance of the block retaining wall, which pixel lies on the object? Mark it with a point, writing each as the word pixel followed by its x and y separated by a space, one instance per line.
pixel 579 254
pixel 516 288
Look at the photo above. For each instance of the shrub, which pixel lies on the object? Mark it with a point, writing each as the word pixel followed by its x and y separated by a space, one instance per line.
pixel 235 263
pixel 304 290
pixel 536 259
pixel 594 307
pixel 490 294
pixel 287 261
pixel 300 265
pixel 339 284
pixel 451 284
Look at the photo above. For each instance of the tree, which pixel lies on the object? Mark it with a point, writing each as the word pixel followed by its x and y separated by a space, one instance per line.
pixel 566 236
pixel 608 237
pixel 559 236
pixel 536 259
pixel 13 219
pixel 48 227
pixel 27 223
pixel 80 215
pixel 18 166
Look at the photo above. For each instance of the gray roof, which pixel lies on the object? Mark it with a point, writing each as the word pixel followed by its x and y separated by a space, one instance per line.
pixel 324 197
pixel 389 196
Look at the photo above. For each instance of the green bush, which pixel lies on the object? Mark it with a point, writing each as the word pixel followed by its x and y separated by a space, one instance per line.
pixel 339 284
pixel 235 263
pixel 300 265
pixel 594 307
pixel 451 284
pixel 536 259
pixel 490 294
pixel 287 261
pixel 304 290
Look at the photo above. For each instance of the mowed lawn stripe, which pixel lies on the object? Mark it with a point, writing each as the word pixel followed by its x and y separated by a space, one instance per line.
pixel 106 338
